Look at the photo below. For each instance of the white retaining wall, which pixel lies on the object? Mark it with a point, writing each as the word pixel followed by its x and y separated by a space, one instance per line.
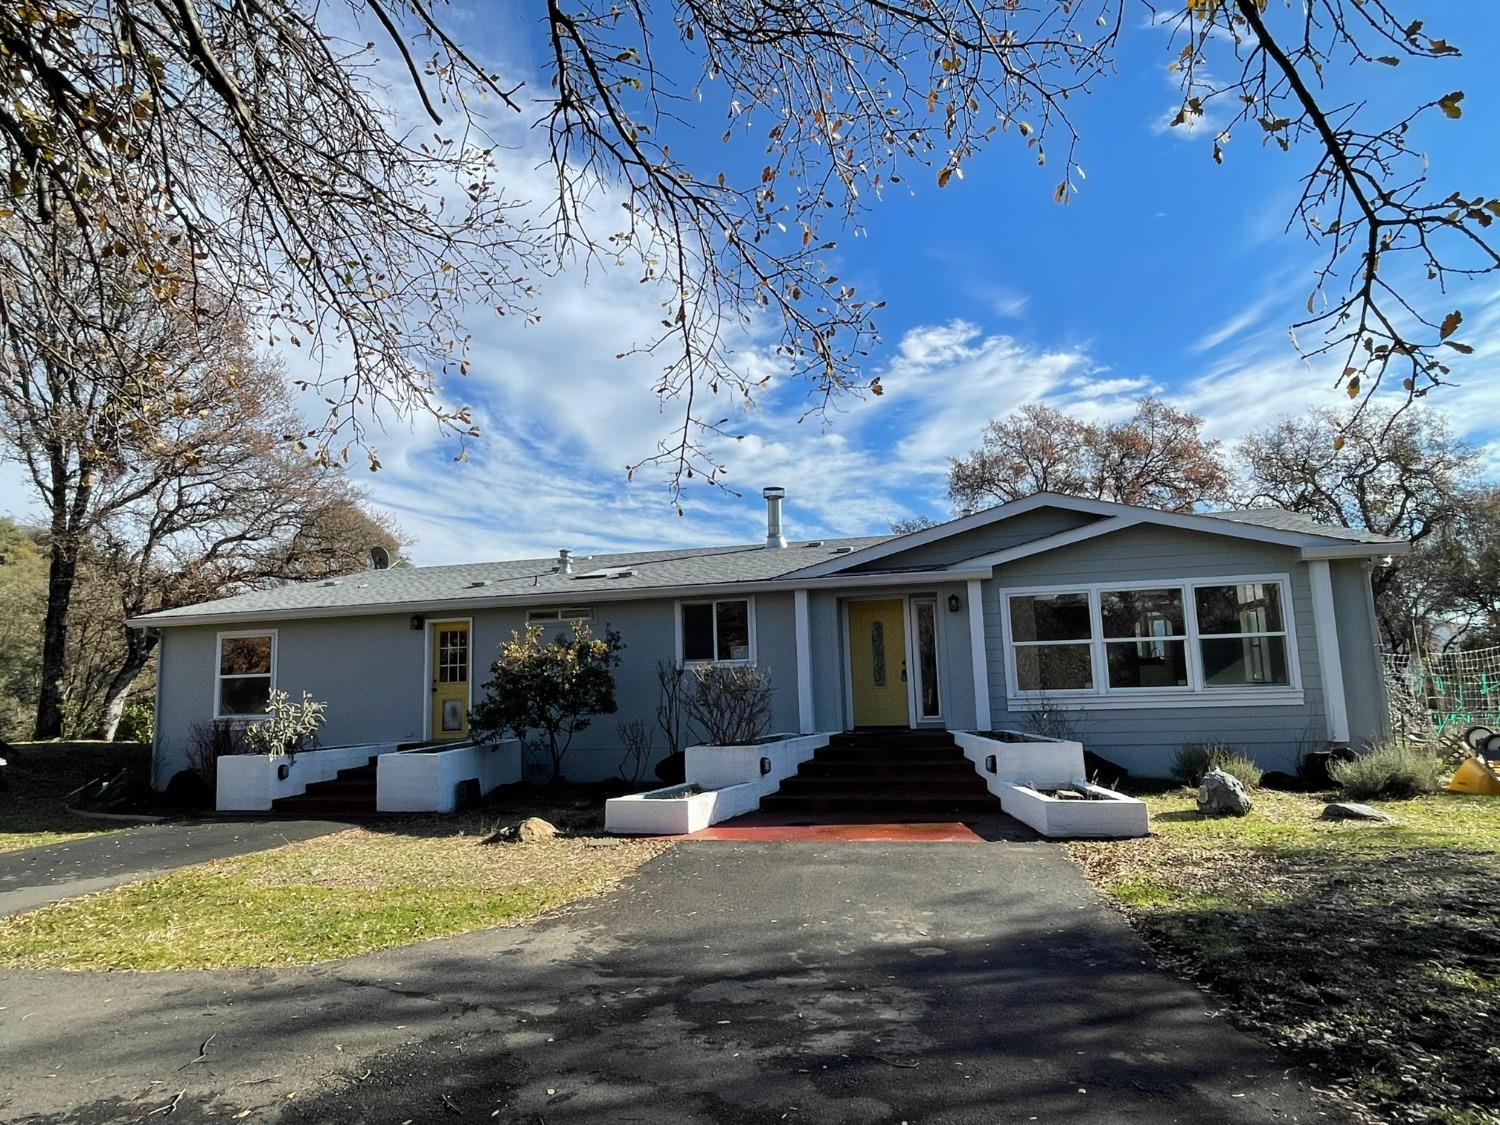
pixel 416 781
pixel 249 782
pixel 733 784
pixel 1045 762
pixel 1111 816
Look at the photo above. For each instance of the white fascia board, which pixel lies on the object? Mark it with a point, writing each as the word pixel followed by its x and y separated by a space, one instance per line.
pixel 565 598
pixel 1356 550
pixel 1207 524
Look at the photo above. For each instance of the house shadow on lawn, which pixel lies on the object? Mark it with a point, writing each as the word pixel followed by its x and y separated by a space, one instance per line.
pixel 1378 965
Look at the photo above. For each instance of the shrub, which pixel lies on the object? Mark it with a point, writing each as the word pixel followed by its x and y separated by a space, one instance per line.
pixel 137 722
pixel 1196 758
pixel 288 726
pixel 637 738
pixel 207 743
pixel 1393 769
pixel 730 703
pixel 555 688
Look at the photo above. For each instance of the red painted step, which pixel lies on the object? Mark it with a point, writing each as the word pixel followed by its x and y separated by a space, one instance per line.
pixel 351 793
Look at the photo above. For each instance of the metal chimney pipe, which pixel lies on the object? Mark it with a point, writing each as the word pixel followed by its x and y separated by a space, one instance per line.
pixel 564 561
pixel 773 495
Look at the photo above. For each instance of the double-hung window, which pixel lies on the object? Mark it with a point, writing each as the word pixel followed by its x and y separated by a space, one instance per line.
pixel 244 674
pixel 717 632
pixel 1200 636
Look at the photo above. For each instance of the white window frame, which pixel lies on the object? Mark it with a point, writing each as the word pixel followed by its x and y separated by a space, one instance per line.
pixel 1196 693
pixel 749 601
pixel 556 615
pixel 219 639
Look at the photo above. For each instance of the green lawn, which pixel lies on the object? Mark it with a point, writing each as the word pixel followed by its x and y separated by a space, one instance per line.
pixel 41 775
pixel 1371 952
pixel 355 891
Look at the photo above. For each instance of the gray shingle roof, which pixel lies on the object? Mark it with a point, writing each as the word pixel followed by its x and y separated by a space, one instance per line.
pixel 523 580
pixel 1283 520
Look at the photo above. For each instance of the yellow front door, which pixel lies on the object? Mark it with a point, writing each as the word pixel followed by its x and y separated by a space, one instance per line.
pixel 450 680
pixel 877 663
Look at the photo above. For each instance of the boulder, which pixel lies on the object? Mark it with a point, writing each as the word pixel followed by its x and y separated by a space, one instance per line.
pixel 1222 795
pixel 534 830
pixel 1348 810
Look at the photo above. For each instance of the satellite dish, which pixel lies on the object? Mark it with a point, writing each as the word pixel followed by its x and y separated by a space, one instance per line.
pixel 380 558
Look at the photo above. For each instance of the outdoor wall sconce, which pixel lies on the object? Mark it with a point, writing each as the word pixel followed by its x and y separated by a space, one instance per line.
pixel 989 764
pixel 283 771
pixel 417 621
pixel 765 766
pixel 953 603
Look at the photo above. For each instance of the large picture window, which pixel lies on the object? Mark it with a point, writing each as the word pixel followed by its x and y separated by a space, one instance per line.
pixel 244 674
pixel 717 632
pixel 1198 636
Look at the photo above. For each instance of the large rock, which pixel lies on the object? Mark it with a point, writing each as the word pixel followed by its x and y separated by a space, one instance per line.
pixel 1348 810
pixel 534 830
pixel 1222 795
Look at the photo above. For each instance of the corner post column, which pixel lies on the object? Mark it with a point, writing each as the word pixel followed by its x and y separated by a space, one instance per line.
pixel 1330 666
pixel 979 654
pixel 804 663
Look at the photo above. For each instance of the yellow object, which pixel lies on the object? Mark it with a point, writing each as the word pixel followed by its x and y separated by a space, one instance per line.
pixel 1476 776
pixel 450 680
pixel 877 663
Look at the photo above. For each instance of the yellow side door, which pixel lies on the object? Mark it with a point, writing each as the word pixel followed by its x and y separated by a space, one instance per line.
pixel 877 663
pixel 450 680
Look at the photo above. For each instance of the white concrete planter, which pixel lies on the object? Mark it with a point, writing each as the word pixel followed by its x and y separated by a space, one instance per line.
pixel 1108 816
pixel 250 782
pixel 427 780
pixel 734 779
pixel 1047 763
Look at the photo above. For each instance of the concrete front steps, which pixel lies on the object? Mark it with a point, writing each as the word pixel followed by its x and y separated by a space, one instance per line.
pixel 351 793
pixel 897 773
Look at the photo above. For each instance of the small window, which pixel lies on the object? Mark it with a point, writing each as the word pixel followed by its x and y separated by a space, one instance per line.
pixel 1145 638
pixel 716 632
pixel 453 656
pixel 877 652
pixel 1052 636
pixel 246 664
pixel 565 615
pixel 1242 635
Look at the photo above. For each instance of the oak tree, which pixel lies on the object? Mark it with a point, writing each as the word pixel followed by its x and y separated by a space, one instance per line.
pixel 1156 458
pixel 1403 478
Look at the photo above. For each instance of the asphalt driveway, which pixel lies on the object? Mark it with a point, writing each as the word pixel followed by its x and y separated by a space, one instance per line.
pixel 725 983
pixel 38 876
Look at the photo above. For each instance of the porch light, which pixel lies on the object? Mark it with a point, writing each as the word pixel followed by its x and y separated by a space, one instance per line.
pixel 953 603
pixel 416 622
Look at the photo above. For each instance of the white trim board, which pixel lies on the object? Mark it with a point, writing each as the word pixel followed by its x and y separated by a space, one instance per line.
pixel 219 637
pixel 1330 665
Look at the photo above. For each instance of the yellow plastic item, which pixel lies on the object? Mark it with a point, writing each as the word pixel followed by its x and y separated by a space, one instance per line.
pixel 1477 777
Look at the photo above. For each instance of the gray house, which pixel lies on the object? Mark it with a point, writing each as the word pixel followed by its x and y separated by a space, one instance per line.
pixel 1147 629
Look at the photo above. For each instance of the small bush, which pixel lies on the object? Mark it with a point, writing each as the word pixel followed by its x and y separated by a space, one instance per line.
pixel 207 743
pixel 1393 769
pixel 1197 758
pixel 730 704
pixel 291 726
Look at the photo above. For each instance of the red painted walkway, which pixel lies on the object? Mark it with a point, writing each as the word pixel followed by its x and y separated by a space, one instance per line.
pixel 769 828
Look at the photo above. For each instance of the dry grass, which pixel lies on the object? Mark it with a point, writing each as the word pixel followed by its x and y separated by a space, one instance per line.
pixel 1368 950
pixel 353 892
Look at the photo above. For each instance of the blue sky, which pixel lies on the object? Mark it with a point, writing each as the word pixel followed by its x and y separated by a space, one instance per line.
pixel 1166 274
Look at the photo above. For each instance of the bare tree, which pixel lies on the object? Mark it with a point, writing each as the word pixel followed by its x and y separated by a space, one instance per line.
pixel 1157 458
pixel 257 133
pixel 1404 478
pixel 156 442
